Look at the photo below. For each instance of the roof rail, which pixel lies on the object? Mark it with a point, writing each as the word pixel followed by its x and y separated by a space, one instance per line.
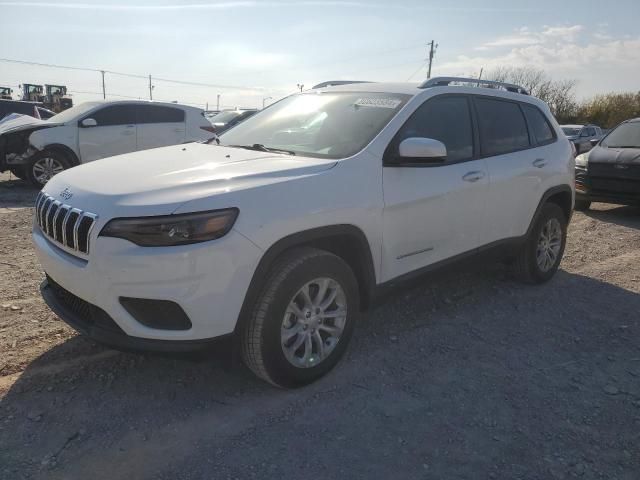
pixel 333 83
pixel 445 81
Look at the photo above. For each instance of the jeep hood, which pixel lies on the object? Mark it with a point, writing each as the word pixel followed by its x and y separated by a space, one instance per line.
pixel 614 155
pixel 158 181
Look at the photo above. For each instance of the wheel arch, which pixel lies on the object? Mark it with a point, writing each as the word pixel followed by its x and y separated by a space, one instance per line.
pixel 561 195
pixel 65 150
pixel 346 241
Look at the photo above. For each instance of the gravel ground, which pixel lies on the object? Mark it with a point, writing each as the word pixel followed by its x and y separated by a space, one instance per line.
pixel 466 374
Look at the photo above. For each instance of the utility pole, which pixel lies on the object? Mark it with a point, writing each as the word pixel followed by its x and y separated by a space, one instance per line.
pixel 150 89
pixel 300 86
pixel 480 76
pixel 264 100
pixel 218 103
pixel 104 91
pixel 432 51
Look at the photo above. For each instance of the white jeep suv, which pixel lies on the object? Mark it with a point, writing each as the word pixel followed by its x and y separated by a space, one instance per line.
pixel 284 232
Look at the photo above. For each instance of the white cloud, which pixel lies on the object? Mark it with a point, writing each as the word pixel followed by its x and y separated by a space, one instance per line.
pixel 563 52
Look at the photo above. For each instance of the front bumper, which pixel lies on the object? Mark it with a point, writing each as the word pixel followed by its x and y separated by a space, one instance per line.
pixel 96 324
pixel 617 190
pixel 207 280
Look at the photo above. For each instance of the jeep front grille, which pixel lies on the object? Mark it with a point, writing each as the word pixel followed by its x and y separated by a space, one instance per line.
pixel 63 224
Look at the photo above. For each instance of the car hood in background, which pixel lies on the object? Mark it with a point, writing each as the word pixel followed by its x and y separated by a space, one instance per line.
pixel 614 155
pixel 16 123
pixel 158 181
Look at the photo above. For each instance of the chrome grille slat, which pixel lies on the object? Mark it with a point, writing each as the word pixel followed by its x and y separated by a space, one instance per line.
pixel 54 217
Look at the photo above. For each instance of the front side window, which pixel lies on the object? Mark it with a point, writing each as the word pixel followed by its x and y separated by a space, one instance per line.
pixel 446 119
pixel 159 114
pixel 626 135
pixel 318 124
pixel 115 115
pixel 538 124
pixel 502 127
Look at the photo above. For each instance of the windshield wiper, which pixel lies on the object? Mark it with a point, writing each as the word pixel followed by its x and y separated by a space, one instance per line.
pixel 261 148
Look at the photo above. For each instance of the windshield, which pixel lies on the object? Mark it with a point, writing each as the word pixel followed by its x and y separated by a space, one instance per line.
pixel 626 135
pixel 224 117
pixel 571 132
pixel 319 124
pixel 73 113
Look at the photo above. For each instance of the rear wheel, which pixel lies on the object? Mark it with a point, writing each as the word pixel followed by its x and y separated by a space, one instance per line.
pixel 540 256
pixel 44 166
pixel 582 205
pixel 303 320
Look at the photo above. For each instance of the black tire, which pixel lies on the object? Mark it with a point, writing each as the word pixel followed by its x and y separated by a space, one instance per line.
pixel 261 344
pixel 18 171
pixel 582 205
pixel 57 157
pixel 526 266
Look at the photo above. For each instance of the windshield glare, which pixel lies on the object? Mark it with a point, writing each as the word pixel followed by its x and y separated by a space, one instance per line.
pixel 73 113
pixel 626 135
pixel 571 132
pixel 319 124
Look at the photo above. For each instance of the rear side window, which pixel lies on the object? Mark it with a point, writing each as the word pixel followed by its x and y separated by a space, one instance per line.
pixel 540 129
pixel 159 114
pixel 446 119
pixel 114 115
pixel 502 127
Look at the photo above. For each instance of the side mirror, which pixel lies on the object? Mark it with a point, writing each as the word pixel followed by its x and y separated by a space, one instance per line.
pixel 594 142
pixel 426 149
pixel 89 122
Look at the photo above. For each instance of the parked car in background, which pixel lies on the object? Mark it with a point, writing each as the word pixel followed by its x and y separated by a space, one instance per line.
pixel 283 236
pixel 610 172
pixel 37 150
pixel 7 107
pixel 226 119
pixel 582 136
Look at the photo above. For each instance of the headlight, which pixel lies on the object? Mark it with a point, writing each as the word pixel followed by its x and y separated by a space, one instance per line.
pixel 169 230
pixel 582 160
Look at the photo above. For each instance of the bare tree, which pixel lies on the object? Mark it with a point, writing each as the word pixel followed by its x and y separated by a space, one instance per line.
pixel 558 94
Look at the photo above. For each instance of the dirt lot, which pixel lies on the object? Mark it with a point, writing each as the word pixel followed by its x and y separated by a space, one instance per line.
pixel 465 375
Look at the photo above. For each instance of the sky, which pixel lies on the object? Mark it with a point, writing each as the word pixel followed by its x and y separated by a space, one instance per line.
pixel 250 52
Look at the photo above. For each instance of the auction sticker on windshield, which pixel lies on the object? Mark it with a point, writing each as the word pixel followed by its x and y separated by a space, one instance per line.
pixel 378 102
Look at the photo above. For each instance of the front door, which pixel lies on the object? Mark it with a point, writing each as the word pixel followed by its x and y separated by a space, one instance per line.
pixel 434 211
pixel 114 134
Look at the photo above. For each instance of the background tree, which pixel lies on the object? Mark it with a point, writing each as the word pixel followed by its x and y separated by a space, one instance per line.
pixel 558 94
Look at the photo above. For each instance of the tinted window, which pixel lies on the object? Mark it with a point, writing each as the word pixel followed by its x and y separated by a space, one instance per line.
pixel 538 124
pixel 591 131
pixel 446 119
pixel 159 114
pixel 502 127
pixel 114 115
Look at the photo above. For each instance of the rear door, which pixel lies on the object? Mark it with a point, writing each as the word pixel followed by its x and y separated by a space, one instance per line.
pixel 159 126
pixel 434 211
pixel 516 170
pixel 114 134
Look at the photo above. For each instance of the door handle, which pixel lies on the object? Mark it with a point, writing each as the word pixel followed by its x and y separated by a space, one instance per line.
pixel 539 162
pixel 473 176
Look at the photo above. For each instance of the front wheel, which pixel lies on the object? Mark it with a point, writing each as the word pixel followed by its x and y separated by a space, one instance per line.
pixel 540 256
pixel 303 320
pixel 44 165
